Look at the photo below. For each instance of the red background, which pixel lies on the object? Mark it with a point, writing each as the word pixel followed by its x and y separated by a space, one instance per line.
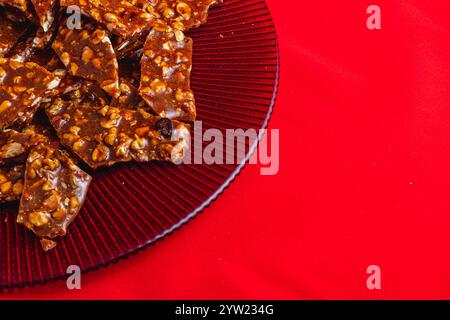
pixel 364 179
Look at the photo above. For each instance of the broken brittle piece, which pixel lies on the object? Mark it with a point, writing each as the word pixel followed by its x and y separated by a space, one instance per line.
pixel 22 87
pixel 183 14
pixel 35 48
pixel 35 43
pixel 131 49
pixel 15 146
pixel 11 182
pixel 118 16
pixel 54 191
pixel 88 53
pixel 10 32
pixel 165 75
pixel 78 90
pixel 105 135
pixel 129 96
pixel 45 10
pixel 22 5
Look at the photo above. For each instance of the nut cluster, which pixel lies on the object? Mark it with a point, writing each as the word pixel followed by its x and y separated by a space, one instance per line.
pixel 88 53
pixel 104 135
pixel 55 189
pixel 165 75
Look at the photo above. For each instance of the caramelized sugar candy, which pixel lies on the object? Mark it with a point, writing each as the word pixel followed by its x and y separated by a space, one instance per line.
pixel 11 182
pixel 77 90
pixel 10 32
pixel 22 5
pixel 42 39
pixel 53 193
pixel 88 53
pixel 25 7
pixel 15 146
pixel 181 14
pixel 14 149
pixel 165 74
pixel 129 48
pixel 119 16
pixel 34 48
pixel 104 135
pixel 23 86
pixel 98 110
pixel 129 96
pixel 45 10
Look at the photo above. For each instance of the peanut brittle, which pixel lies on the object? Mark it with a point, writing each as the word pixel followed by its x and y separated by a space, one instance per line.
pixel 36 49
pixel 22 87
pixel 78 90
pixel 129 97
pixel 45 10
pixel 68 84
pixel 11 182
pixel 105 135
pixel 165 75
pixel 22 5
pixel 15 146
pixel 54 191
pixel 88 53
pixel 43 38
pixel 13 15
pixel 10 32
pixel 118 16
pixel 129 48
pixel 183 14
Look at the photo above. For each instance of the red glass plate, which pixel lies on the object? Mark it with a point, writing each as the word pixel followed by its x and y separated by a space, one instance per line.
pixel 234 78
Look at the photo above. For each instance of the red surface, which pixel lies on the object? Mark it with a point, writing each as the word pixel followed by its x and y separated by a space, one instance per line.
pixel 129 206
pixel 364 174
